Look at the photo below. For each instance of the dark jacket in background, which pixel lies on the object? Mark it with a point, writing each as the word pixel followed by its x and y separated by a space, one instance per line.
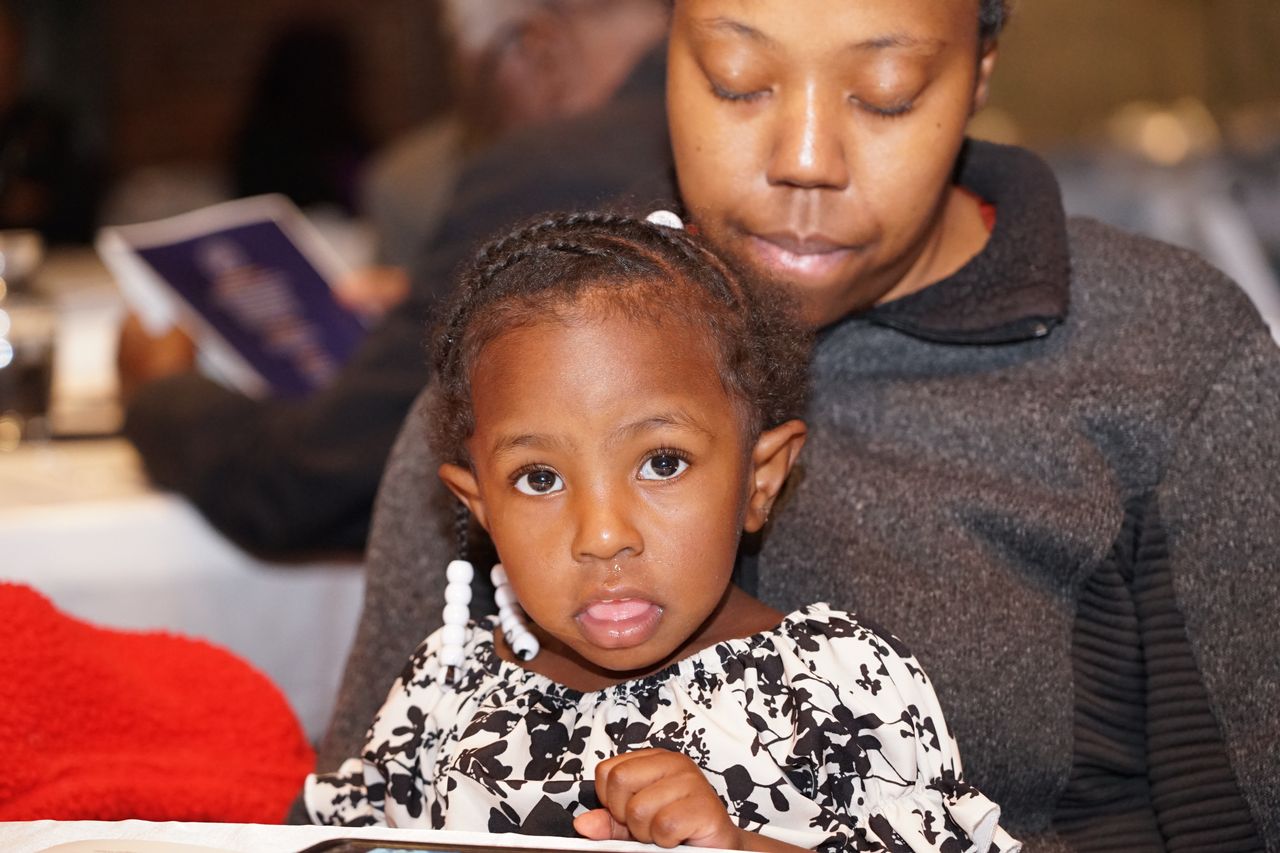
pixel 1054 475
pixel 278 476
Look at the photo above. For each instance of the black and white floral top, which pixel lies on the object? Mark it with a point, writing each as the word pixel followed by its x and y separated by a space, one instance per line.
pixel 821 733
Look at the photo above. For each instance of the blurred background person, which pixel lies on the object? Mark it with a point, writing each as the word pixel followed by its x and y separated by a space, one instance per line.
pixel 280 476
pixel 303 133
pixel 46 182
pixel 497 89
pixel 507 70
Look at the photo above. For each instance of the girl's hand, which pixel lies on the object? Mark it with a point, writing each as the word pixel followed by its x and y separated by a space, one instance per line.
pixel 658 796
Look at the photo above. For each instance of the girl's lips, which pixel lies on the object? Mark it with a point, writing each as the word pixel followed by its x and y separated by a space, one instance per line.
pixel 619 623
pixel 797 257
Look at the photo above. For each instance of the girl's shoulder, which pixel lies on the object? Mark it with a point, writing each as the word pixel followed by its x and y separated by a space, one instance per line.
pixel 816 643
pixel 426 665
pixel 817 630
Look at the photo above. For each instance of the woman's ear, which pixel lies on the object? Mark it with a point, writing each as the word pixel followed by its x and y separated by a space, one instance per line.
pixel 462 482
pixel 772 458
pixel 986 67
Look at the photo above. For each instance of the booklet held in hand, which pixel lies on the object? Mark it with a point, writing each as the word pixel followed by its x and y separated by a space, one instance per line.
pixel 250 281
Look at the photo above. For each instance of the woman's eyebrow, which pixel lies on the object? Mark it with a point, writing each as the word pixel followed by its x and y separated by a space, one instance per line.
pixel 903 41
pixel 733 27
pixel 888 41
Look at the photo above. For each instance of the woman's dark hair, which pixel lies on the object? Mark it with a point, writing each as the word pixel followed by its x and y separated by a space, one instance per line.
pixel 568 266
pixel 992 16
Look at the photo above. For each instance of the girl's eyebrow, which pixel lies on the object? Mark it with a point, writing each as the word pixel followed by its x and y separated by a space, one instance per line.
pixel 675 419
pixel 507 443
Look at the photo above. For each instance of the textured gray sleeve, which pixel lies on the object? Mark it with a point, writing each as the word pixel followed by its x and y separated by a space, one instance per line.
pixel 1221 500
pixel 410 544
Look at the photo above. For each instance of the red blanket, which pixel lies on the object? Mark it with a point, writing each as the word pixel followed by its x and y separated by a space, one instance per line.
pixel 97 724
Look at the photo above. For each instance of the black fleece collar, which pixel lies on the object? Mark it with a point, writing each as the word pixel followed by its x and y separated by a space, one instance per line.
pixel 1018 286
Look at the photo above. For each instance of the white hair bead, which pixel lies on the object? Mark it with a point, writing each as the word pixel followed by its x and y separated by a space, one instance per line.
pixel 453 635
pixel 459 571
pixel 498 575
pixel 525 645
pixel 456 614
pixel 665 218
pixel 457 593
pixel 452 656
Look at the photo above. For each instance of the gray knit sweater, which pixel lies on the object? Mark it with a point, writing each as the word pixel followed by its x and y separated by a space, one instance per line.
pixel 981 453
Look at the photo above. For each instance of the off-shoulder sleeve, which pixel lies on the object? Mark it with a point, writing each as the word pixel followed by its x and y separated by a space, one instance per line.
pixel 888 772
pixel 401 736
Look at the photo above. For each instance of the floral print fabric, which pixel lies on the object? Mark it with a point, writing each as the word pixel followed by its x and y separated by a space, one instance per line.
pixel 822 733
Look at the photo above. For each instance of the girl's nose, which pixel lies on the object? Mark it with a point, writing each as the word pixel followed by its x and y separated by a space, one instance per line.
pixel 808 150
pixel 605 527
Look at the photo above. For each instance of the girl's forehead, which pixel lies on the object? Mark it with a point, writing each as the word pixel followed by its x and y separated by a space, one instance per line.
pixel 570 375
pixel 633 327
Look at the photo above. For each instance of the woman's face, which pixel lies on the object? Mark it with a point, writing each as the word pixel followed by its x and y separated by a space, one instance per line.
pixel 814 140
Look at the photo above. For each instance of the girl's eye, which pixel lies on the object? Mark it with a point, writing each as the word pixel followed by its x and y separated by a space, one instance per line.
pixel 662 466
pixel 540 481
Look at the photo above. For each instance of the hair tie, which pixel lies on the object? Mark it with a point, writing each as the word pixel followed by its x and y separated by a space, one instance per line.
pixel 666 219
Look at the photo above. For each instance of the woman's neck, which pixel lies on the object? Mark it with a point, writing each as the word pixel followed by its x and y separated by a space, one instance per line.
pixel 960 234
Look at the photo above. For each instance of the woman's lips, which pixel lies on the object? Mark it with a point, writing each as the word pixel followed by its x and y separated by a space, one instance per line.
pixel 618 623
pixel 793 256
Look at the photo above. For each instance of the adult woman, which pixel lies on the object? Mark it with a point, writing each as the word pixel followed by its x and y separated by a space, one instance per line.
pixel 1030 448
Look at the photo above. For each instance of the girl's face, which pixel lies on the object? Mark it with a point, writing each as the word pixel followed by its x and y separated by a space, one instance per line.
pixel 614 474
pixel 814 140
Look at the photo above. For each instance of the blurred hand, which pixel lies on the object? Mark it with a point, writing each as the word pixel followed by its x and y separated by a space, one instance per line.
pixel 661 797
pixel 373 291
pixel 142 358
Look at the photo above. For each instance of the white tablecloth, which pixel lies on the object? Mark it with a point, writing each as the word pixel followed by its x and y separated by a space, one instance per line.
pixel 253 838
pixel 79 523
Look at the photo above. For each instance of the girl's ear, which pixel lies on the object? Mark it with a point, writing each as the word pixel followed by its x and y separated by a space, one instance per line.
pixel 771 461
pixel 986 67
pixel 462 482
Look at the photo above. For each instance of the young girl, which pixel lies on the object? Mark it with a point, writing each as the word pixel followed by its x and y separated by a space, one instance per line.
pixel 616 409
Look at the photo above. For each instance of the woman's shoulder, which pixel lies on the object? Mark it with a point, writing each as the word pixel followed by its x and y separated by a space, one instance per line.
pixel 1170 289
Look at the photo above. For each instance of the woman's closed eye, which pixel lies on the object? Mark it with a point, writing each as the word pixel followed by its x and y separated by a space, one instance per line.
pixel 892 109
pixel 726 93
pixel 538 481
pixel 663 465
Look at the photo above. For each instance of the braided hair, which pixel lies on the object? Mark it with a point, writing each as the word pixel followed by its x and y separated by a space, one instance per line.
pixel 566 266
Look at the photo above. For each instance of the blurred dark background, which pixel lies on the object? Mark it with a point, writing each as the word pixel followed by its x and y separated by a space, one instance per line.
pixel 151 82
pixel 1150 90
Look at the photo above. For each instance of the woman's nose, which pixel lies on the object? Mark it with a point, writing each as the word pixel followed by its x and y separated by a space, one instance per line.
pixel 605 526
pixel 808 150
